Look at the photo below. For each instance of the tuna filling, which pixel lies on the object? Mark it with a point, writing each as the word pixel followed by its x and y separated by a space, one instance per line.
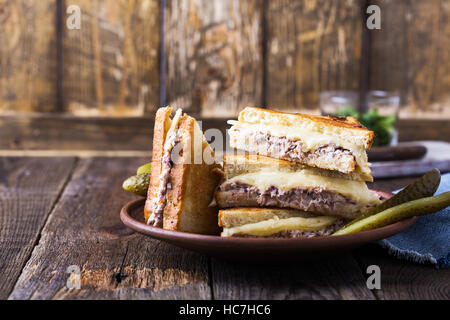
pixel 314 199
pixel 159 199
pixel 327 156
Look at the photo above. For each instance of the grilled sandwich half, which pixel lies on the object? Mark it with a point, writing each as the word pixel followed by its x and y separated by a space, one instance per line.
pixel 183 178
pixel 333 143
pixel 258 181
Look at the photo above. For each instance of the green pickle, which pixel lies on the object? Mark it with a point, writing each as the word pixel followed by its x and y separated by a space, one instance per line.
pixel 146 168
pixel 423 187
pixel 391 215
pixel 137 184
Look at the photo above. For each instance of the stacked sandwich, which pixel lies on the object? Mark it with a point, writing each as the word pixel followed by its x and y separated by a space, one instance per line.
pixel 300 176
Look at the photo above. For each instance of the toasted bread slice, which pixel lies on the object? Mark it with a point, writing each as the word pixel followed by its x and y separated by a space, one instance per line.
pixel 269 222
pixel 235 217
pixel 332 143
pixel 348 128
pixel 191 180
pixel 237 164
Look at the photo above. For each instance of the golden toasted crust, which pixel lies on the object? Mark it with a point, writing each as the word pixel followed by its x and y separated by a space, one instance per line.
pixel 253 115
pixel 192 187
pixel 162 124
pixel 174 196
pixel 344 122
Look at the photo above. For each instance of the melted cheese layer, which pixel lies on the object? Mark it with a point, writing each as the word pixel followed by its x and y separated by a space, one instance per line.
pixel 272 226
pixel 264 179
pixel 311 138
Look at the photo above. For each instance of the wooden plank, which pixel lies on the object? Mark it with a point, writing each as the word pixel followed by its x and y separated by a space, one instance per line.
pixel 29 188
pixel 336 278
pixel 403 280
pixel 410 55
pixel 111 65
pixel 28 64
pixel 424 129
pixel 75 153
pixel 214 55
pixel 85 230
pixel 54 132
pixel 388 49
pixel 312 46
pixel 72 133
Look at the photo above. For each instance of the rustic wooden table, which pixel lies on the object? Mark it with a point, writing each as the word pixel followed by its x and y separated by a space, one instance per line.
pixel 57 212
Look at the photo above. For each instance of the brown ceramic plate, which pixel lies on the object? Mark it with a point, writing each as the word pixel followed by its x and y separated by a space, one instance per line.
pixel 254 249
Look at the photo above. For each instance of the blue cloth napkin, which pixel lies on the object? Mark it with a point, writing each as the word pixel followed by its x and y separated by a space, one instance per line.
pixel 428 240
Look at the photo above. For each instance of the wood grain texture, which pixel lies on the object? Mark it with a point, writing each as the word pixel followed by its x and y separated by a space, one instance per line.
pixel 28 64
pixel 29 188
pixel 52 132
pixel 312 46
pixel 111 65
pixel 410 55
pixel 336 278
pixel 74 133
pixel 85 230
pixel 214 55
pixel 424 129
pixel 403 280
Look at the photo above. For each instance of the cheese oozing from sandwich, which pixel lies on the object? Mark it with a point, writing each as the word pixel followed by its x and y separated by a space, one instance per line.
pixel 307 189
pixel 275 225
pixel 283 223
pixel 307 179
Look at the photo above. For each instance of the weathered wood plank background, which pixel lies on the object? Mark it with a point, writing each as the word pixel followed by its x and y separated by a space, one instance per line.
pixel 312 46
pixel 110 65
pixel 28 56
pixel 411 54
pixel 21 225
pixel 214 57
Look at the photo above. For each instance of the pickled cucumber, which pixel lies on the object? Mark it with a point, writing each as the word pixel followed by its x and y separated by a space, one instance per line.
pixel 145 168
pixel 423 187
pixel 405 210
pixel 137 184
